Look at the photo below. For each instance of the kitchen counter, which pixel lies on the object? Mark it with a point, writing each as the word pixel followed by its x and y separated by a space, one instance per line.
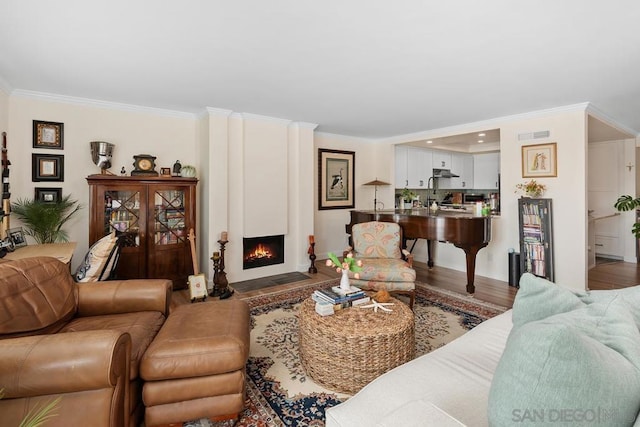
pixel 442 211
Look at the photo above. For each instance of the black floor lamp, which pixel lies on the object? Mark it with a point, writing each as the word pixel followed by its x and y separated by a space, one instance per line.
pixel 375 184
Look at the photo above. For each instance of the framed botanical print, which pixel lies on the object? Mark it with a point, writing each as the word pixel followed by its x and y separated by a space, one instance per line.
pixel 48 135
pixel 539 161
pixel 336 176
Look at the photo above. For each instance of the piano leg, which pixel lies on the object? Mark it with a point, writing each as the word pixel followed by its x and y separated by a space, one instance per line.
pixel 471 252
pixel 429 258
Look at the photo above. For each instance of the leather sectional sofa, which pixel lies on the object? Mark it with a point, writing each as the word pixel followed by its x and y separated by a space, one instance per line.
pixel 80 341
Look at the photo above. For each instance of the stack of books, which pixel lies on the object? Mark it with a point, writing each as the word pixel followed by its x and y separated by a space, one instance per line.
pixel 331 299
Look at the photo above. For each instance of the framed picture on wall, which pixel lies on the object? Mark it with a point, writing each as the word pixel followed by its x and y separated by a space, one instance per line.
pixel 336 176
pixel 539 161
pixel 47 167
pixel 48 195
pixel 48 135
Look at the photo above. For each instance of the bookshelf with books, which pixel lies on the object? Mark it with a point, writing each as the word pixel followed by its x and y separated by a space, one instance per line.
pixel 536 237
pixel 154 214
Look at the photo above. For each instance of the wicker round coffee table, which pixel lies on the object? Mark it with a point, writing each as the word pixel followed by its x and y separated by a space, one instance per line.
pixel 351 348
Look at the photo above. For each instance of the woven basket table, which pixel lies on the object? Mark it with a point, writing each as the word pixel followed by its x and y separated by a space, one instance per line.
pixel 351 348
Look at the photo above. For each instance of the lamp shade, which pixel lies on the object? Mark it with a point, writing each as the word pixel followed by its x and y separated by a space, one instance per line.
pixel 376 182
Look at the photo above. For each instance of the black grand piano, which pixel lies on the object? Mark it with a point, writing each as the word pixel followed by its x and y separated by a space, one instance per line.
pixel 469 233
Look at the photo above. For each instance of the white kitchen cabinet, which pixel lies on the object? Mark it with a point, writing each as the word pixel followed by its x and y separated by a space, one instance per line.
pixel 402 166
pixel 461 165
pixel 441 159
pixel 419 165
pixel 486 171
pixel 413 167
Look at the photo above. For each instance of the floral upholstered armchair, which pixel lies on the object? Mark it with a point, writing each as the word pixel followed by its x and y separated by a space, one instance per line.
pixel 385 264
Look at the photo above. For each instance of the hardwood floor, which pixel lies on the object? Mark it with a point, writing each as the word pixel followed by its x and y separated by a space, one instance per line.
pixel 612 275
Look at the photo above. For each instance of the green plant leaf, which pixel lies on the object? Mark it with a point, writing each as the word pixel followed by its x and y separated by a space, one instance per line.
pixel 334 259
pixel 37 416
pixel 626 203
pixel 44 221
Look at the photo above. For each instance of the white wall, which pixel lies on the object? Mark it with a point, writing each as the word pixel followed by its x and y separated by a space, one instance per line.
pixel 242 192
pixel 370 163
pixel 567 128
pixel 568 190
pixel 215 141
pixel 168 137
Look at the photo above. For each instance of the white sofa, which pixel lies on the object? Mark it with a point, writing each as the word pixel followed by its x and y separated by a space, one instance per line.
pixel 560 357
pixel 447 387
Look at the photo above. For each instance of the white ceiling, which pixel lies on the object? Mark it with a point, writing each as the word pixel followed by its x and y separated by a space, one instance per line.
pixel 361 68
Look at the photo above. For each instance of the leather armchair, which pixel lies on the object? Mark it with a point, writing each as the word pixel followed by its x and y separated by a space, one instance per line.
pixel 78 341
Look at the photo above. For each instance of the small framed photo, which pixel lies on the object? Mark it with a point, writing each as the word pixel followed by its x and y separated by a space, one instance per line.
pixel 121 226
pixel 17 236
pixel 197 287
pixel 48 195
pixel 336 179
pixel 539 161
pixel 47 167
pixel 166 172
pixel 48 135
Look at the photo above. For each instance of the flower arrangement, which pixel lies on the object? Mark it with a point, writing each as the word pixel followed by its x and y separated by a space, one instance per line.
pixel 349 263
pixel 531 188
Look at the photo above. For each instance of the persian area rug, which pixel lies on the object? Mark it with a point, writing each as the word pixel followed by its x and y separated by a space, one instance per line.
pixel 279 393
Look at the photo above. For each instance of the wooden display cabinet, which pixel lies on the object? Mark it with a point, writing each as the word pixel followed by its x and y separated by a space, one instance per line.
pixel 155 214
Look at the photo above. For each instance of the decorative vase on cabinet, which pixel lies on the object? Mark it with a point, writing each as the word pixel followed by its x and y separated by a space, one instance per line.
pixel 154 215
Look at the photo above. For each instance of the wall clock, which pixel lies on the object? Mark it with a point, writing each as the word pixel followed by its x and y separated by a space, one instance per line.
pixel 144 165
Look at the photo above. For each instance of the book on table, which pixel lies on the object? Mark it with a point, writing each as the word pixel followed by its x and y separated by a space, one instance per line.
pixel 325 308
pixel 331 296
pixel 352 290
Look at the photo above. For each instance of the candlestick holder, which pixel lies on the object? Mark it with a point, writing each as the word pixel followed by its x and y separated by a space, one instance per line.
pixel 220 283
pixel 312 258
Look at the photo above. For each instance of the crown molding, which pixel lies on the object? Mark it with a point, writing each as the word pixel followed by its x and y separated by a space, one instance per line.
pixel 346 137
pixel 218 112
pixel 275 120
pixel 304 125
pixel 594 111
pixel 86 102
pixel 484 124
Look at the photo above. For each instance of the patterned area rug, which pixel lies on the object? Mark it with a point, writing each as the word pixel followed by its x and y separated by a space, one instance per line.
pixel 279 393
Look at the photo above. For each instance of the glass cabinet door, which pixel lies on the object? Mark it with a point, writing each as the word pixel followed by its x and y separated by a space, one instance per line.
pixel 122 214
pixel 169 216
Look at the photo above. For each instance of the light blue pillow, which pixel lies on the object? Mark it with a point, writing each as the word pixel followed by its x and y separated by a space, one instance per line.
pixel 539 298
pixel 581 363
pixel 629 296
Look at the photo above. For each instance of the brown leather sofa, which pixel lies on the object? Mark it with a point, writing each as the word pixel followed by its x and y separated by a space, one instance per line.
pixel 79 341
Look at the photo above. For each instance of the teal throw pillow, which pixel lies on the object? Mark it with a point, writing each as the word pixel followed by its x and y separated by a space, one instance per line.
pixel 580 367
pixel 539 298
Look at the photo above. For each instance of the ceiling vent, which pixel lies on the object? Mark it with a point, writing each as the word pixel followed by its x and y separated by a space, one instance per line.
pixel 534 135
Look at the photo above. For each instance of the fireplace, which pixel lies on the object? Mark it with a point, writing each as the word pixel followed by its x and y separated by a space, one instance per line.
pixel 262 251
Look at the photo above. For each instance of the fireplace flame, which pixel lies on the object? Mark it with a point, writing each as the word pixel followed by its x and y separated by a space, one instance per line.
pixel 260 252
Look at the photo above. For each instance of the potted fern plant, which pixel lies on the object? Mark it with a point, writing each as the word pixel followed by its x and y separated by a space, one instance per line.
pixel 44 220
